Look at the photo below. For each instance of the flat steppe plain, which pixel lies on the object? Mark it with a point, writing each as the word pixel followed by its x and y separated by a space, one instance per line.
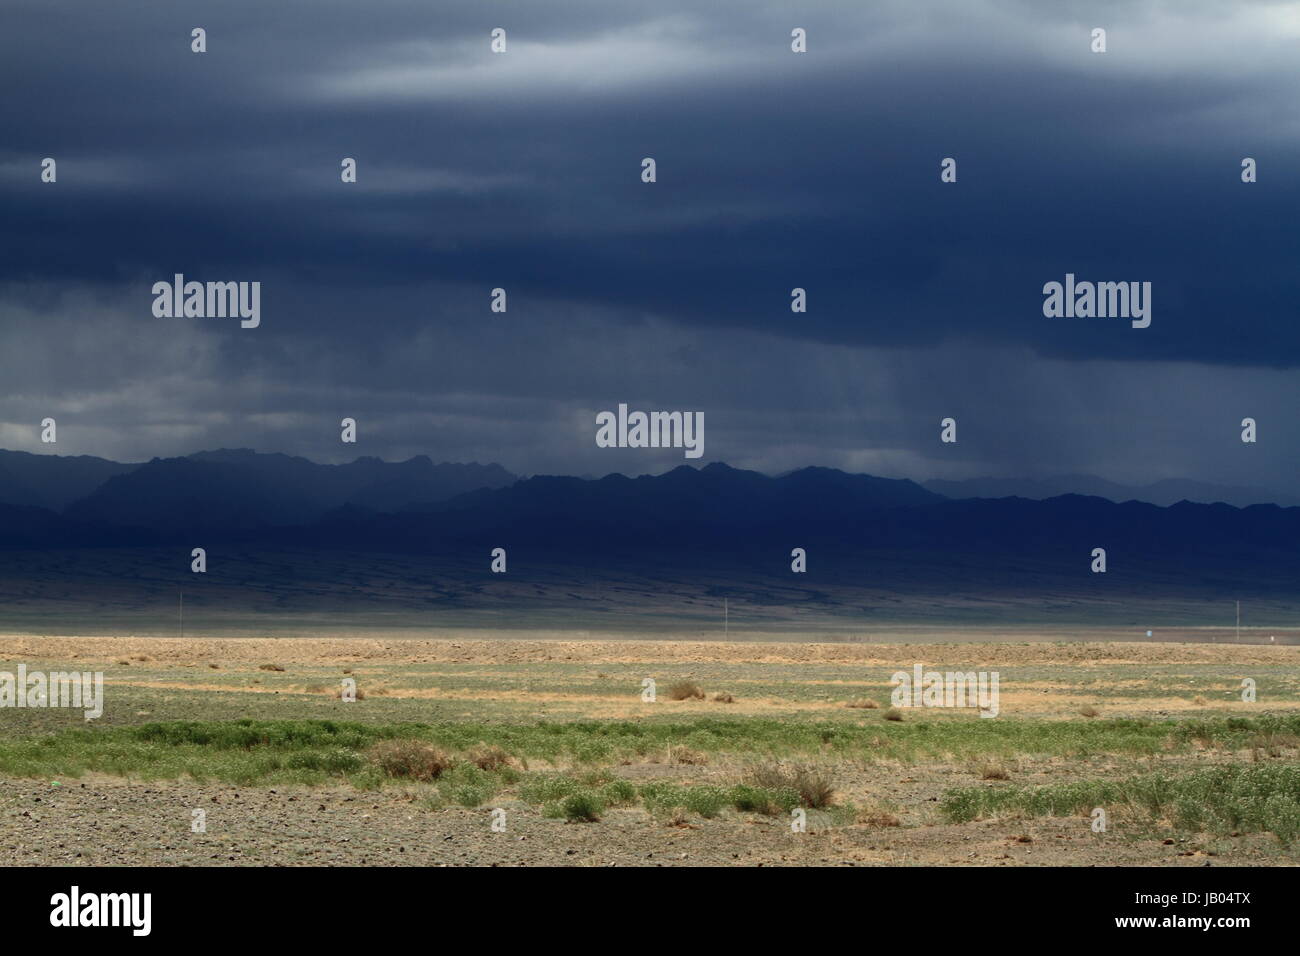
pixel 543 731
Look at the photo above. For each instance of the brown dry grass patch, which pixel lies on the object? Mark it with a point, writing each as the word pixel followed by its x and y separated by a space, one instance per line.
pixel 410 759
pixel 687 757
pixel 685 690
pixel 876 817
pixel 489 757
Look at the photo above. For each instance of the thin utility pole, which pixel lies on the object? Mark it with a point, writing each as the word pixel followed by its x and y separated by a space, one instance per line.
pixel 182 614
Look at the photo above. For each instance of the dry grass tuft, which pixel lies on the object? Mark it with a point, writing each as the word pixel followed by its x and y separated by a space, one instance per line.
pixel 1272 744
pixel 687 757
pixel 815 787
pixel 410 759
pixel 876 817
pixel 685 690
pixel 489 757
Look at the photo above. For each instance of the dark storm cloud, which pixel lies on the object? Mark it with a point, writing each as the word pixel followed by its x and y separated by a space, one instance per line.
pixel 775 171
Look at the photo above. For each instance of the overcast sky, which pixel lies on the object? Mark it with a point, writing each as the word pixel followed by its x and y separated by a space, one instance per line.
pixel 775 170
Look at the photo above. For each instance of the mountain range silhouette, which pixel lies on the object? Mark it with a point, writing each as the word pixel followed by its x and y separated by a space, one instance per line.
pixel 701 531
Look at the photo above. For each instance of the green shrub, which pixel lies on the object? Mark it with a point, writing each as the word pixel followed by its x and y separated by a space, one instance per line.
pixel 618 793
pixel 582 807
pixel 768 801
pixel 1251 798
pixel 469 796
pixel 707 801
pixel 661 796
pixel 547 788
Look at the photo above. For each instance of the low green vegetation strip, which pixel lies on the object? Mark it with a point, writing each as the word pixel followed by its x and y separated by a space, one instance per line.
pixel 770 790
pixel 1243 798
pixel 313 751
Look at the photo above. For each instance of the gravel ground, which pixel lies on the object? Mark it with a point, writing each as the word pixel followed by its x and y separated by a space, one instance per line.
pixel 110 822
